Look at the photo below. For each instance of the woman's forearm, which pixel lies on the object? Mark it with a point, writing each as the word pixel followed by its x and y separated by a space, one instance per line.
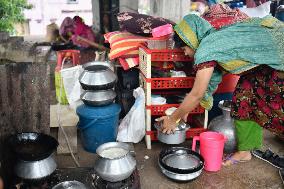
pixel 190 102
pixel 193 99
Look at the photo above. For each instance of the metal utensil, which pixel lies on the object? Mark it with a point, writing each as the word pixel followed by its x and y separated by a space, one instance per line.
pixel 31 146
pixel 97 77
pixel 34 170
pixel 180 163
pixel 180 177
pixel 116 168
pixel 98 97
pixel 177 137
pixel 70 185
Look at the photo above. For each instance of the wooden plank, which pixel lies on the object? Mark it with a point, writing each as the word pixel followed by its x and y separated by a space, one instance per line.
pixel 71 133
pixel 24 98
pixel 67 116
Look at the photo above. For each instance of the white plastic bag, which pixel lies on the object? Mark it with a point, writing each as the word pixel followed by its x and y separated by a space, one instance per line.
pixel 70 78
pixel 132 126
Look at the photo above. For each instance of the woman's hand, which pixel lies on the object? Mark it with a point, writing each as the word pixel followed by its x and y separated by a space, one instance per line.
pixel 185 117
pixel 169 125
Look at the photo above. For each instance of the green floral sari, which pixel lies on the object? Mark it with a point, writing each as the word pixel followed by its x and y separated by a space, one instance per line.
pixel 237 48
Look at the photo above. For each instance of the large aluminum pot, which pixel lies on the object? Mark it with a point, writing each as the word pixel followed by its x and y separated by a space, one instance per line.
pixel 115 163
pixel 98 97
pixel 97 77
pixel 33 170
pixel 178 137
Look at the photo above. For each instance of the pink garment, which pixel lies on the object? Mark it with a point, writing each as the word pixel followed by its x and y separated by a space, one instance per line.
pixel 82 30
pixel 66 27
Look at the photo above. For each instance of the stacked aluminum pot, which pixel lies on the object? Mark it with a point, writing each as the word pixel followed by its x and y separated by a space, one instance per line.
pixel 34 152
pixel 98 81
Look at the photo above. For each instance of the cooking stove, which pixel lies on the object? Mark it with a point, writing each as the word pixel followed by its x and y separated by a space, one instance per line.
pixel 84 175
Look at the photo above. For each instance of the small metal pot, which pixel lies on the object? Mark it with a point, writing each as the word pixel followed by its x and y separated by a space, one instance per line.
pixel 177 137
pixel 35 170
pixel 181 164
pixel 116 168
pixel 97 77
pixel 98 97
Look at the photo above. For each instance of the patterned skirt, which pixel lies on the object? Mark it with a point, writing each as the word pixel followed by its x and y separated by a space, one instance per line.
pixel 259 96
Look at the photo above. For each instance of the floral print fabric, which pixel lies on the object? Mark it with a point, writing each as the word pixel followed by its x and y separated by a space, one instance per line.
pixel 259 96
pixel 221 15
pixel 140 23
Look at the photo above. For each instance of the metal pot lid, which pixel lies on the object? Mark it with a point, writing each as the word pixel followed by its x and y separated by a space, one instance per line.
pixel 181 160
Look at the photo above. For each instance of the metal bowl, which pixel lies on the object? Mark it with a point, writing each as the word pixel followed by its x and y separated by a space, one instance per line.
pixel 97 77
pixel 70 185
pixel 181 164
pixel 32 146
pixel 98 97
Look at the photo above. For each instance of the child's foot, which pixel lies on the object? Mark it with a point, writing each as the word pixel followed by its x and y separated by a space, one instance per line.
pixel 237 157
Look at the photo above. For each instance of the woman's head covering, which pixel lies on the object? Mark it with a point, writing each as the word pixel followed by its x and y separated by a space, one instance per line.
pixel 66 27
pixel 237 48
pixel 192 29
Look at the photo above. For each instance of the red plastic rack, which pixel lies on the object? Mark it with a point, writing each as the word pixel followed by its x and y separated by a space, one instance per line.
pixel 171 82
pixel 169 55
pixel 147 56
pixel 159 110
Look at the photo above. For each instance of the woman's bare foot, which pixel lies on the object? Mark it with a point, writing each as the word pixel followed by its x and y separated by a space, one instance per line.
pixel 240 156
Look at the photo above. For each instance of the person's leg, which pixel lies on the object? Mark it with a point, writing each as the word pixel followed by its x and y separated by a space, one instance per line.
pixel 249 137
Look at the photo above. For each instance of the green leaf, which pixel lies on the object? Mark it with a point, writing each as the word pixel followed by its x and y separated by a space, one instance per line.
pixel 11 12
